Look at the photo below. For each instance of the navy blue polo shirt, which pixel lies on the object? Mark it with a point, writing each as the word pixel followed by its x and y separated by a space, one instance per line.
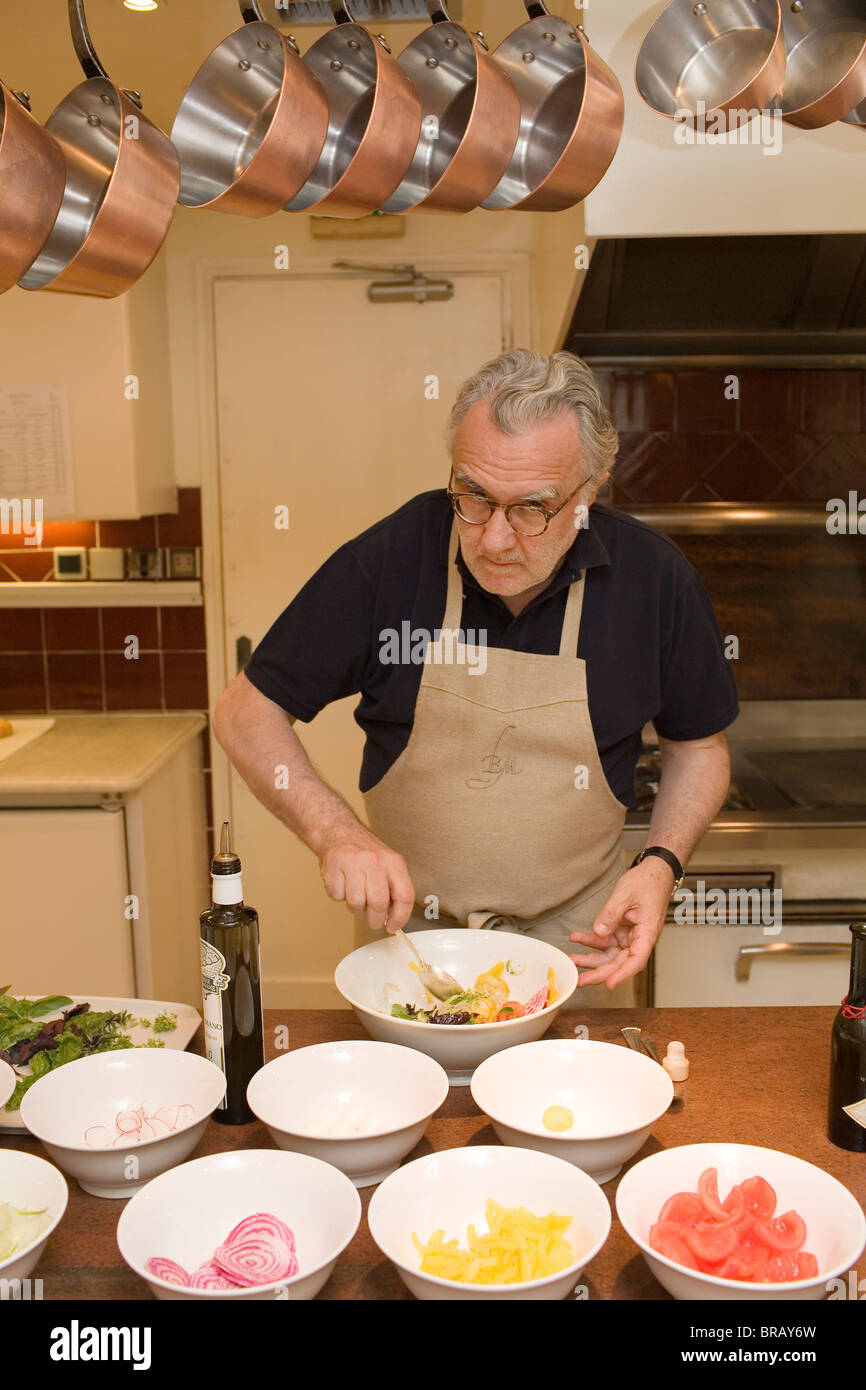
pixel 648 634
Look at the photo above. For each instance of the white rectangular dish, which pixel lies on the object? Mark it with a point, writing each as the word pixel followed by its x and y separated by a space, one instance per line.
pixel 187 1025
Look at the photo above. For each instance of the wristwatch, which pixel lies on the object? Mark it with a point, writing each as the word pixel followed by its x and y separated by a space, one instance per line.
pixel 670 859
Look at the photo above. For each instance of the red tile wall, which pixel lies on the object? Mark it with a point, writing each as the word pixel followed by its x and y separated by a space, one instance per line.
pixel 73 658
pixel 790 436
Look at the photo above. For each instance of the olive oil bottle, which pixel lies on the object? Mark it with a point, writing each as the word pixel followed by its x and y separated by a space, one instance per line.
pixel 231 984
pixel 846 1119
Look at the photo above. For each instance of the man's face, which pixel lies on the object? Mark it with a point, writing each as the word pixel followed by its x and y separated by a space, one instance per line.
pixel 544 465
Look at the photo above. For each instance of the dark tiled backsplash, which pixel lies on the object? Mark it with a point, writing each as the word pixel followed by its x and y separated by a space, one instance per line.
pixel 789 435
pixel 75 658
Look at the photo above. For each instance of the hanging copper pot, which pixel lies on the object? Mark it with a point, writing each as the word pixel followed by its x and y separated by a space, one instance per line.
pixel 32 178
pixel 471 119
pixel 572 113
pixel 728 55
pixel 122 181
pixel 251 124
pixel 826 74
pixel 374 120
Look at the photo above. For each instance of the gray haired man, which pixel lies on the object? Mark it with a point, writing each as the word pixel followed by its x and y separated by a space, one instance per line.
pixel 498 789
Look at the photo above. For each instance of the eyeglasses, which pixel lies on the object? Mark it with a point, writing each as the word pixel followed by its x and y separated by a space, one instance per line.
pixel 526 518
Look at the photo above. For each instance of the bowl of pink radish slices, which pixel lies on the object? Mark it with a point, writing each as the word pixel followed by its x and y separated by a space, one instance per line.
pixel 734 1221
pixel 115 1120
pixel 249 1224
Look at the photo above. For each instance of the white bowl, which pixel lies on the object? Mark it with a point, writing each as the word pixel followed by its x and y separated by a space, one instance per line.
pixel 616 1096
pixel 835 1224
pixel 7 1082
pixel 451 1189
pixel 186 1213
pixel 363 976
pixel 63 1104
pixel 30 1184
pixel 375 1098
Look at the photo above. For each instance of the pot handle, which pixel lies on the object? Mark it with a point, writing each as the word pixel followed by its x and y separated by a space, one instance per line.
pixel 86 53
pixel 437 12
pixel 342 13
pixel 251 12
pixel 536 9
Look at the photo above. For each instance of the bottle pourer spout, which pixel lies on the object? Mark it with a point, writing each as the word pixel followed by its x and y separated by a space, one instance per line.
pixel 226 862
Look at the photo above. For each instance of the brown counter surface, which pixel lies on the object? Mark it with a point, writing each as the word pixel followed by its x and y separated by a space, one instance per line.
pixel 758 1076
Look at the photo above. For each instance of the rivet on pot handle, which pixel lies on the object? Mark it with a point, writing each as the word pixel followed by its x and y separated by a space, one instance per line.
pixel 86 53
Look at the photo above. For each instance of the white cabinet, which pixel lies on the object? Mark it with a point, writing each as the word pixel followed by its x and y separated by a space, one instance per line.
pixel 102 352
pixel 101 891
pixel 64 884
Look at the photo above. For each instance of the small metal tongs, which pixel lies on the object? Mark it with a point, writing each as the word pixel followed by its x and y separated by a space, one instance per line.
pixel 635 1040
pixel 437 982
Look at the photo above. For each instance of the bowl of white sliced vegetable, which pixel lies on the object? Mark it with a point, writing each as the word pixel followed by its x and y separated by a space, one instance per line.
pixel 362 1106
pixel 33 1197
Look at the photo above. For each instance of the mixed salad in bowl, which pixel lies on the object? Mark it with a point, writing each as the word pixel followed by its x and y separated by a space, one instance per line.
pixel 488 1001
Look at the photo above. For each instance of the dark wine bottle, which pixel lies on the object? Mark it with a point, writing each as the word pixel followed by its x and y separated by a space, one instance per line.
pixel 848 1055
pixel 231 985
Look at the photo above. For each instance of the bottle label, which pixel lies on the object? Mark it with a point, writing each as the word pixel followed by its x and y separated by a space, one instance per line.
pixel 857 1112
pixel 213 982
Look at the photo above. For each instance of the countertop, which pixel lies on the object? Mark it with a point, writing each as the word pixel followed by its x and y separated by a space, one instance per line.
pixel 758 1076
pixel 96 754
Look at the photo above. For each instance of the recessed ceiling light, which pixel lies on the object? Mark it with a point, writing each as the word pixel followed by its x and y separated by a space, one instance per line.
pixel 140 4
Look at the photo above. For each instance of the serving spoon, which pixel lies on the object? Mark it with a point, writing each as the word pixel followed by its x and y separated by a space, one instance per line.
pixel 437 982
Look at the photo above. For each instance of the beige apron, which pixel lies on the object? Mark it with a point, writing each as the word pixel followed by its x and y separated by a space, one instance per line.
pixel 499 803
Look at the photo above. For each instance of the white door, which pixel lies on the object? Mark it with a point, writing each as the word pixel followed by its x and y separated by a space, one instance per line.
pixel 327 405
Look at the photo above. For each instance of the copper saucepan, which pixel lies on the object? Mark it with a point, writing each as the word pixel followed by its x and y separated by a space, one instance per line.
pixel 122 180
pixel 571 115
pixel 727 54
pixel 826 73
pixel 374 121
pixel 470 124
pixel 32 177
pixel 251 124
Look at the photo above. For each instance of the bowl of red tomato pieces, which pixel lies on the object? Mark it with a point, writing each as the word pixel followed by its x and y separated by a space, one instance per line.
pixel 735 1221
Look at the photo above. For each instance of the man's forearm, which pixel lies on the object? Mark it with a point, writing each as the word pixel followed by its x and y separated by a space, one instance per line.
pixel 259 738
pixel 694 782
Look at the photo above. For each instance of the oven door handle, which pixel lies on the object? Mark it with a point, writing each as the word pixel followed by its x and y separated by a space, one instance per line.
pixel 747 954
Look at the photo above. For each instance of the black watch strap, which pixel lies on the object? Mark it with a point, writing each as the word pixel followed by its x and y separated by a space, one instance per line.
pixel 670 859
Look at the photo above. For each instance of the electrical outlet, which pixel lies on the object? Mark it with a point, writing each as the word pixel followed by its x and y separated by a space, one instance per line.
pixel 182 562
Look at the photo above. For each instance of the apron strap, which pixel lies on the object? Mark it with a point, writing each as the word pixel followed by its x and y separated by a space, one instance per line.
pixel 571 621
pixel 454 601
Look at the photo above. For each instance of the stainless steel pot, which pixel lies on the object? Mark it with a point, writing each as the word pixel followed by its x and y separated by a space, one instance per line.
pixel 826 73
pixel 727 54
pixel 122 180
pixel 374 121
pixel 252 123
pixel 571 115
pixel 32 178
pixel 857 116
pixel 471 119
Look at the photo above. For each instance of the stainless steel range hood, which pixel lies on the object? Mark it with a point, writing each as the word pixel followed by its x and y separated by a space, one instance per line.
pixel 746 300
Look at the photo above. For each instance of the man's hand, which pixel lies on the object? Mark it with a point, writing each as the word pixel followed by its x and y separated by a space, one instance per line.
pixel 628 926
pixel 358 869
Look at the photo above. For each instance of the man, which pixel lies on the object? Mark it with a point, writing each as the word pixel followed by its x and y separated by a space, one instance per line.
pixel 509 640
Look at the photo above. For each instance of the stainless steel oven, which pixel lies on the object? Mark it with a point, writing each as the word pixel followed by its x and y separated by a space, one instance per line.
pixel 763 914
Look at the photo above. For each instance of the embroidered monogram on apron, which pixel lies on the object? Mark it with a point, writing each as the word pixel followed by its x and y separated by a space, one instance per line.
pixel 499 803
